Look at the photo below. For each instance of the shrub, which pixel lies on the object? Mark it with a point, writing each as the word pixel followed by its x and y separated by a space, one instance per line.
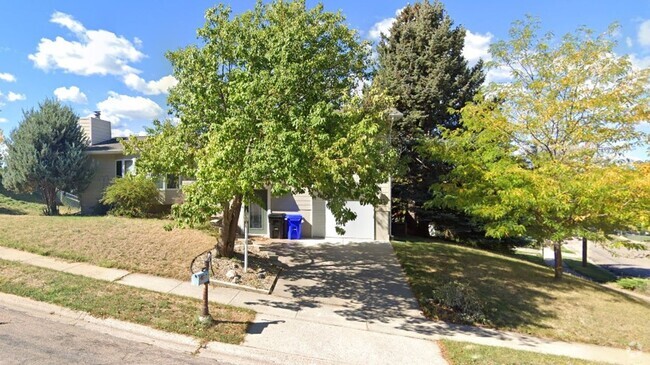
pixel 457 302
pixel 638 284
pixel 131 196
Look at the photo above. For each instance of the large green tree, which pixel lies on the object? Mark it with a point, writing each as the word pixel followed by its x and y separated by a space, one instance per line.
pixel 421 64
pixel 46 154
pixel 544 154
pixel 268 100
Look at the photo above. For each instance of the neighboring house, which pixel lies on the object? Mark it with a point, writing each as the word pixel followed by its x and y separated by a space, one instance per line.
pixel 372 223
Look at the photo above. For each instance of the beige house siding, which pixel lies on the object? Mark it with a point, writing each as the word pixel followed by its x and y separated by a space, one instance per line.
pixel 104 174
pixel 300 204
pixel 318 218
pixel 382 215
pixel 171 196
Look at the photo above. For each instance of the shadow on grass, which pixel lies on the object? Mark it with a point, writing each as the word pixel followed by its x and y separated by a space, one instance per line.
pixel 12 211
pixel 627 270
pixel 27 198
pixel 515 293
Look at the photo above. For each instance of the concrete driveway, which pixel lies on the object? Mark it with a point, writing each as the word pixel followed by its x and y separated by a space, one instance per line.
pixel 364 279
pixel 341 303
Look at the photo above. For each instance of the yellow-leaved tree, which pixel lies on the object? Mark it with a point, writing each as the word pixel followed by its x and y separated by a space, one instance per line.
pixel 544 154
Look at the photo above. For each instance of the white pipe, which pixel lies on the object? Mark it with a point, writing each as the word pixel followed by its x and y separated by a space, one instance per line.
pixel 246 224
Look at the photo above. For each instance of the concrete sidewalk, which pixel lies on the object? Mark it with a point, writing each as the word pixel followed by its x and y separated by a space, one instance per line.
pixel 341 322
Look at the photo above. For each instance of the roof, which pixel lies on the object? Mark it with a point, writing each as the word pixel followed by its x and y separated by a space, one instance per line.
pixel 112 146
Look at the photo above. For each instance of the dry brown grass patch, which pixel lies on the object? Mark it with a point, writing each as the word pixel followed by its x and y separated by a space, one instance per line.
pixel 140 245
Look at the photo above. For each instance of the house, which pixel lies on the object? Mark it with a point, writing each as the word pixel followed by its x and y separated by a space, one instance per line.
pixel 372 223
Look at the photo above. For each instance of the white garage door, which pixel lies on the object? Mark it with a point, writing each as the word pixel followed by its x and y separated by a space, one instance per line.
pixel 361 228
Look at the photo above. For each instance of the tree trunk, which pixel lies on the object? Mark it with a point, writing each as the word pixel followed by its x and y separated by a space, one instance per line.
pixel 584 252
pixel 557 248
pixel 49 195
pixel 226 246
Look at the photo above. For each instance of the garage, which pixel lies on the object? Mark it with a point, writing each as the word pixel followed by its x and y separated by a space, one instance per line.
pixel 362 228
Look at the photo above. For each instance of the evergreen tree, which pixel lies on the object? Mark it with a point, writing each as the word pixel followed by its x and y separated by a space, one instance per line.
pixel 421 64
pixel 46 154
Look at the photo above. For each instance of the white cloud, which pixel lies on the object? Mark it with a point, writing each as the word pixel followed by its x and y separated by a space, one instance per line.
pixel 12 96
pixel 119 107
pixel 71 93
pixel 153 87
pixel 644 34
pixel 67 21
pixel 4 76
pixel 382 27
pixel 629 42
pixel 498 75
pixel 477 46
pixel 639 63
pixel 4 120
pixel 116 132
pixel 94 52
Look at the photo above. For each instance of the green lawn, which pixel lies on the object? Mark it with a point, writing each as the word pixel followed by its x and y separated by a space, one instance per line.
pixel 639 285
pixel 463 353
pixel 102 299
pixel 591 271
pixel 638 238
pixel 19 204
pixel 521 296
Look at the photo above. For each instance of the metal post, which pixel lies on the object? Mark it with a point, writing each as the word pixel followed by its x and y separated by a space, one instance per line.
pixel 206 311
pixel 246 224
pixel 584 251
pixel 206 318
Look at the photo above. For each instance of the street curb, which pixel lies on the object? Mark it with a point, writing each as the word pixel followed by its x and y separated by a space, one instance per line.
pixel 238 354
pixel 110 326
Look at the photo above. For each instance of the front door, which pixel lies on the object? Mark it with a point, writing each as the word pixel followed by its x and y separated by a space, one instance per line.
pixel 258 213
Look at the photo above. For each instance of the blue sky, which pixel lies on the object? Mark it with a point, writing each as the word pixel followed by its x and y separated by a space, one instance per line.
pixel 109 55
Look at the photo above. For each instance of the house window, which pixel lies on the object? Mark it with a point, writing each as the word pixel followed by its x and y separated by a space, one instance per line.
pixel 256 216
pixel 172 182
pixel 257 213
pixel 168 182
pixel 123 167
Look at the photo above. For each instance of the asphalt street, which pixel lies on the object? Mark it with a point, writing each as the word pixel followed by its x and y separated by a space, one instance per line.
pixel 29 340
pixel 620 261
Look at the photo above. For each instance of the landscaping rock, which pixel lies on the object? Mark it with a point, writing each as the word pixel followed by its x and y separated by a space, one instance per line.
pixel 224 269
pixel 231 274
pixel 261 275
pixel 236 279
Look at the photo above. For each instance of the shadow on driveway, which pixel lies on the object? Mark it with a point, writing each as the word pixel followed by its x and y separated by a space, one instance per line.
pixel 364 279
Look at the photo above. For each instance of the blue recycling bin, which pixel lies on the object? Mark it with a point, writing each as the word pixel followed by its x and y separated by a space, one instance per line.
pixel 294 226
